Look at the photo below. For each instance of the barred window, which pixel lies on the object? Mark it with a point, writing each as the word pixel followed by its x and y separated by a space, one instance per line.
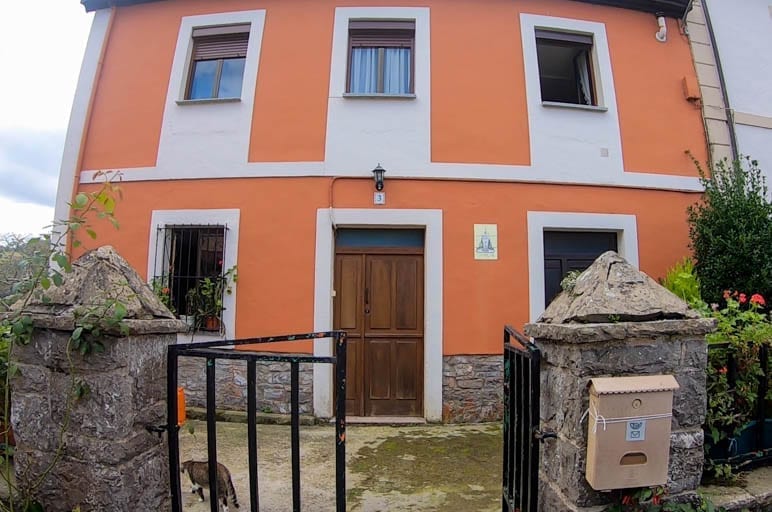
pixel 190 276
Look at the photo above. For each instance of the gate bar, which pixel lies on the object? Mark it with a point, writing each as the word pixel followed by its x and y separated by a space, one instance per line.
pixel 254 497
pixel 211 351
pixel 211 434
pixel 172 428
pixel 340 423
pixel 295 415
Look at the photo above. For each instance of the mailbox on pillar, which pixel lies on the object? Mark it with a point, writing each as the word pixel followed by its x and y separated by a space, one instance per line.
pixel 628 438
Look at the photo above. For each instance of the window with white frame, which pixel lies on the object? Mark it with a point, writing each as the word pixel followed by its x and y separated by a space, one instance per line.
pixel 566 67
pixel 381 57
pixel 217 62
pixel 190 277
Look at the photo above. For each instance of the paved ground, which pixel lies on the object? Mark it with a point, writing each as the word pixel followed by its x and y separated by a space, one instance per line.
pixel 417 468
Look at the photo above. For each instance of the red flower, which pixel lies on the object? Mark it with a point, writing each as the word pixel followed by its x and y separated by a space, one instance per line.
pixel 722 370
pixel 757 299
pixel 656 499
pixel 165 291
pixel 726 294
pixel 743 298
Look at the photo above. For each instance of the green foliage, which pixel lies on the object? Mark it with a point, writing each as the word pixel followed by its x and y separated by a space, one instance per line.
pixel 29 267
pixel 731 230
pixel 648 499
pixel 206 300
pixel 568 283
pixel 682 280
pixel 163 292
pixel 95 322
pixel 742 327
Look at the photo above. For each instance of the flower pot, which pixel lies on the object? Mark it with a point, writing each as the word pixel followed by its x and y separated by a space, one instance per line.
pixel 211 323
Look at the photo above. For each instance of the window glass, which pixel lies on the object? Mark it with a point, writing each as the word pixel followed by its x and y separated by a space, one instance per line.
pixel 364 70
pixel 202 79
pixel 396 71
pixel 381 56
pixel 231 78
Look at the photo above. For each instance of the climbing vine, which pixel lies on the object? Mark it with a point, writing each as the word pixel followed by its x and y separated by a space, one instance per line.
pixel 41 263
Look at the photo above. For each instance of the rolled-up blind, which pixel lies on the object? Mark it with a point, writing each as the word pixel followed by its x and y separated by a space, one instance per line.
pixel 220 46
pixel 374 34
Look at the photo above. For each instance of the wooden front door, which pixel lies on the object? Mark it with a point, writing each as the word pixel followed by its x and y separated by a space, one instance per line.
pixel 379 303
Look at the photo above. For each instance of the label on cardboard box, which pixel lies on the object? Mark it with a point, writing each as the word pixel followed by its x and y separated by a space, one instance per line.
pixel 636 430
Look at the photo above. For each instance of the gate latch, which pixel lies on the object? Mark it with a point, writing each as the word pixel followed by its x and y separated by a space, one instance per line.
pixel 541 435
pixel 156 429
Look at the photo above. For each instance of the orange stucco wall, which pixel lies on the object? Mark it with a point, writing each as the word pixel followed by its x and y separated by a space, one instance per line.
pixel 479 113
pixel 278 233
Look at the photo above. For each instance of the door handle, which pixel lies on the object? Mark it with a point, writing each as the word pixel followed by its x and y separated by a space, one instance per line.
pixel 367 301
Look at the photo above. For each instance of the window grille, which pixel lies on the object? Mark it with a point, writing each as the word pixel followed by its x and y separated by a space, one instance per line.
pixel 189 259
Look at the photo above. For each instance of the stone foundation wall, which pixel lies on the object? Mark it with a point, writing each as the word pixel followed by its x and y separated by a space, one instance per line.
pixel 472 389
pixel 273 385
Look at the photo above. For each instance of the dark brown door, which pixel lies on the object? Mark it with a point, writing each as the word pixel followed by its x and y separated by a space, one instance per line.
pixel 379 302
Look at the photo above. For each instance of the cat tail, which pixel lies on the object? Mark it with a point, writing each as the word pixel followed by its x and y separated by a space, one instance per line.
pixel 232 492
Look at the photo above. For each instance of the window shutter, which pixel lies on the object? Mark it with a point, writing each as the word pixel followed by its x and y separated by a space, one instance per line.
pixel 223 46
pixel 566 37
pixel 380 41
pixel 380 33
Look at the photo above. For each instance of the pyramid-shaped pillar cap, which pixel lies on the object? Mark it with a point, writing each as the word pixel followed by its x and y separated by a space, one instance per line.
pixel 612 290
pixel 100 277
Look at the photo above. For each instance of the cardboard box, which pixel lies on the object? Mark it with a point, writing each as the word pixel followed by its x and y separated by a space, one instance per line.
pixel 628 437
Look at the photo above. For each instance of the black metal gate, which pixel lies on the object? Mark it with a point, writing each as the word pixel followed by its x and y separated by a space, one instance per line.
pixel 212 351
pixel 521 423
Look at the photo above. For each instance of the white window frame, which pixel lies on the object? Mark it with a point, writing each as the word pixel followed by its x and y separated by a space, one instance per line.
pixel 183 54
pixel 626 227
pixel 593 72
pixel 227 218
pixel 601 60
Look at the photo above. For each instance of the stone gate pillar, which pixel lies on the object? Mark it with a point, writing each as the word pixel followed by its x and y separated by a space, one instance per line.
pixel 616 321
pixel 108 459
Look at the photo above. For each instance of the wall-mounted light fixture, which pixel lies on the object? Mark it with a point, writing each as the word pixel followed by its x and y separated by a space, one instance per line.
pixel 378 173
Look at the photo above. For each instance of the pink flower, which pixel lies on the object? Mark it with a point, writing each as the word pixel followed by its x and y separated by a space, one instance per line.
pixel 757 299
pixel 722 370
pixel 727 294
pixel 743 298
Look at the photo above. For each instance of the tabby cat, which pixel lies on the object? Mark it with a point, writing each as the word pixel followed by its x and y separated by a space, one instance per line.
pixel 198 472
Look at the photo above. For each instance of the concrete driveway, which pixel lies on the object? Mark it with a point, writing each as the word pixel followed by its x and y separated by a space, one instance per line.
pixel 406 468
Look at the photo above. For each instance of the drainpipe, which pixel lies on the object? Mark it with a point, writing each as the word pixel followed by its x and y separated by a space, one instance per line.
pixel 722 82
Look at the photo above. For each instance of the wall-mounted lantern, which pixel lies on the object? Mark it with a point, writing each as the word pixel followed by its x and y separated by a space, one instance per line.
pixel 378 173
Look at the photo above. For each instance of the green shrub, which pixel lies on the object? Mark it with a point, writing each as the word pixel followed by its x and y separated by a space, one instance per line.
pixel 683 281
pixel 731 230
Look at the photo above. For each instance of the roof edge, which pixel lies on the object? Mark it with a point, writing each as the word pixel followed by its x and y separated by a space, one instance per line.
pixel 669 8
pixel 95 5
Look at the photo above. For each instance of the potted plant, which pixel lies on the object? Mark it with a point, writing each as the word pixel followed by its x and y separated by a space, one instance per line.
pixel 163 292
pixel 209 299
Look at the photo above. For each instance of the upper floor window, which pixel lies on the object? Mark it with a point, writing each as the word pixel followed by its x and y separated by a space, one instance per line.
pixel 381 55
pixel 565 67
pixel 217 62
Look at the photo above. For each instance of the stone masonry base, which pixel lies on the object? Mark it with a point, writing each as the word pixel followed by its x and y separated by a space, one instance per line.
pixel 472 391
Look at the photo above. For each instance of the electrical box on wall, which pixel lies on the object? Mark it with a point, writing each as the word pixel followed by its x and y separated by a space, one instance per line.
pixel 628 437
